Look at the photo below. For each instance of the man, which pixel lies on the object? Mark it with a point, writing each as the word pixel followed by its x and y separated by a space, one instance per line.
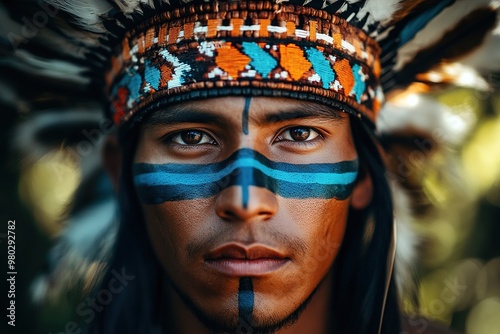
pixel 244 199
pixel 252 194
pixel 245 202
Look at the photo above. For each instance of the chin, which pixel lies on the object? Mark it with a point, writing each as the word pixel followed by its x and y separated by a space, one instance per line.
pixel 268 316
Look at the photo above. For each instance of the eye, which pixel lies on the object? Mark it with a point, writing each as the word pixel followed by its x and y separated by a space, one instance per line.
pixel 191 137
pixel 298 134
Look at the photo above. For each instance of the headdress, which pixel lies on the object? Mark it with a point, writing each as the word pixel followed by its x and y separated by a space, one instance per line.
pixel 68 58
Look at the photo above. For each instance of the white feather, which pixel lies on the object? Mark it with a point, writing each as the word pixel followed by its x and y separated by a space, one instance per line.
pixel 149 3
pixel 379 10
pixel 437 27
pixel 406 240
pixel 128 6
pixel 87 13
pixel 426 114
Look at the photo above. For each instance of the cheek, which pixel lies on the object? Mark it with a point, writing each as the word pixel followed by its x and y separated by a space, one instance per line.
pixel 321 224
pixel 171 227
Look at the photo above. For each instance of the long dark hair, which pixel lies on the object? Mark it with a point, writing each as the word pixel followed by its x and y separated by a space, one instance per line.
pixel 362 265
pixel 360 268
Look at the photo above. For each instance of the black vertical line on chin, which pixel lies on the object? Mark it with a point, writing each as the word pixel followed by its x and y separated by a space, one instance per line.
pixel 247 175
pixel 245 305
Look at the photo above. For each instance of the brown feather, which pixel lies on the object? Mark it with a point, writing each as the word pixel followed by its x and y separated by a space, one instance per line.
pixel 457 42
pixel 408 8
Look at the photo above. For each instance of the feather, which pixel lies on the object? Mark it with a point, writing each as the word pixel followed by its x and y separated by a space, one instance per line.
pixel 87 13
pixel 378 10
pixel 62 44
pixel 465 37
pixel 406 240
pixel 128 6
pixel 49 68
pixel 435 29
pixel 422 114
pixel 417 23
pixel 487 58
pixel 81 253
pixel 407 8
pixel 86 243
pixel 29 136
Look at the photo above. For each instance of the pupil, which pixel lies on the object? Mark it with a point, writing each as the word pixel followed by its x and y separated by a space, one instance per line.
pixel 191 137
pixel 300 134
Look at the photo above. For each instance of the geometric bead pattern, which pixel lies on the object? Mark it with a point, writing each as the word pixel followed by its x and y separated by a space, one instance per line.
pixel 179 53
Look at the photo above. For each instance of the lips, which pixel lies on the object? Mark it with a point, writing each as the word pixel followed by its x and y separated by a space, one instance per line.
pixel 245 261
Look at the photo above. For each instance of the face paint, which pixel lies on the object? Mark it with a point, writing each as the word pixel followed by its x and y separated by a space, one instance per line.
pixel 246 173
pixel 245 304
pixel 158 183
pixel 245 115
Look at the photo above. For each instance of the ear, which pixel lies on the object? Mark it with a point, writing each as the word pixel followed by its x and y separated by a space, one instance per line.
pixel 363 191
pixel 112 158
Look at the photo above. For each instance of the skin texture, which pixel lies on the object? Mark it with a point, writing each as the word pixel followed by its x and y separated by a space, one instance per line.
pixel 307 232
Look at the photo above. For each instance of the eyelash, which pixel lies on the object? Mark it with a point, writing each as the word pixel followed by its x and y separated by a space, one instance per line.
pixel 305 143
pixel 169 139
pixel 277 139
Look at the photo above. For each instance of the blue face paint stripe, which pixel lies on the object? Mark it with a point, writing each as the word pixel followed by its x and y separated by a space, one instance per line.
pixel 164 177
pixel 246 181
pixel 155 184
pixel 245 302
pixel 246 110
pixel 246 175
pixel 340 167
pixel 162 194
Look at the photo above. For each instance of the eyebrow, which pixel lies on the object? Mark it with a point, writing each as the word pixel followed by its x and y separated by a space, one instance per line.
pixel 302 111
pixel 188 114
pixel 182 114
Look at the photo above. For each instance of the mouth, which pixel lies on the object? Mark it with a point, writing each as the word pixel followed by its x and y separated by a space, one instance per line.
pixel 237 260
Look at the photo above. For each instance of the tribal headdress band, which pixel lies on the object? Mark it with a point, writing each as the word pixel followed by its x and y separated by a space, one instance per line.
pixel 245 48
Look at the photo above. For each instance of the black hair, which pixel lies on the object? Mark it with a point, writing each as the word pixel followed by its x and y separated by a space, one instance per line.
pixel 362 264
pixel 360 269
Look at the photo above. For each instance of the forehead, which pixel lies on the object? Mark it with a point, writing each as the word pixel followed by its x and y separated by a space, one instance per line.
pixel 229 109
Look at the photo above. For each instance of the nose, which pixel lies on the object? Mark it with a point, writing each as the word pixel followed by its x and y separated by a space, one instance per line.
pixel 261 204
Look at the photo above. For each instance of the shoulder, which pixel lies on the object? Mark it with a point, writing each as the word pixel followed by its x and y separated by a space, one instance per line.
pixel 420 325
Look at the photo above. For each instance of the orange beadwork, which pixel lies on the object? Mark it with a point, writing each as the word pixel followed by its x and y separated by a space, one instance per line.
pixel 292 60
pixel 188 30
pixel 286 49
pixel 236 23
pixel 162 35
pixel 290 28
pixel 212 28
pixel 337 41
pixel 346 78
pixel 165 75
pixel 231 60
pixel 150 36
pixel 173 34
pixel 264 23
pixel 312 30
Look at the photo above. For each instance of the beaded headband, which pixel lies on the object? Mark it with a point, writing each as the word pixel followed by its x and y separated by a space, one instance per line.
pixel 245 48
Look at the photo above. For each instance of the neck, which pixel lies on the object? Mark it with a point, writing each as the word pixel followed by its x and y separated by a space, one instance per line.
pixel 314 319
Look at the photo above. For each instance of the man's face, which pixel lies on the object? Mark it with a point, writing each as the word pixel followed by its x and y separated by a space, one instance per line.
pixel 238 191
